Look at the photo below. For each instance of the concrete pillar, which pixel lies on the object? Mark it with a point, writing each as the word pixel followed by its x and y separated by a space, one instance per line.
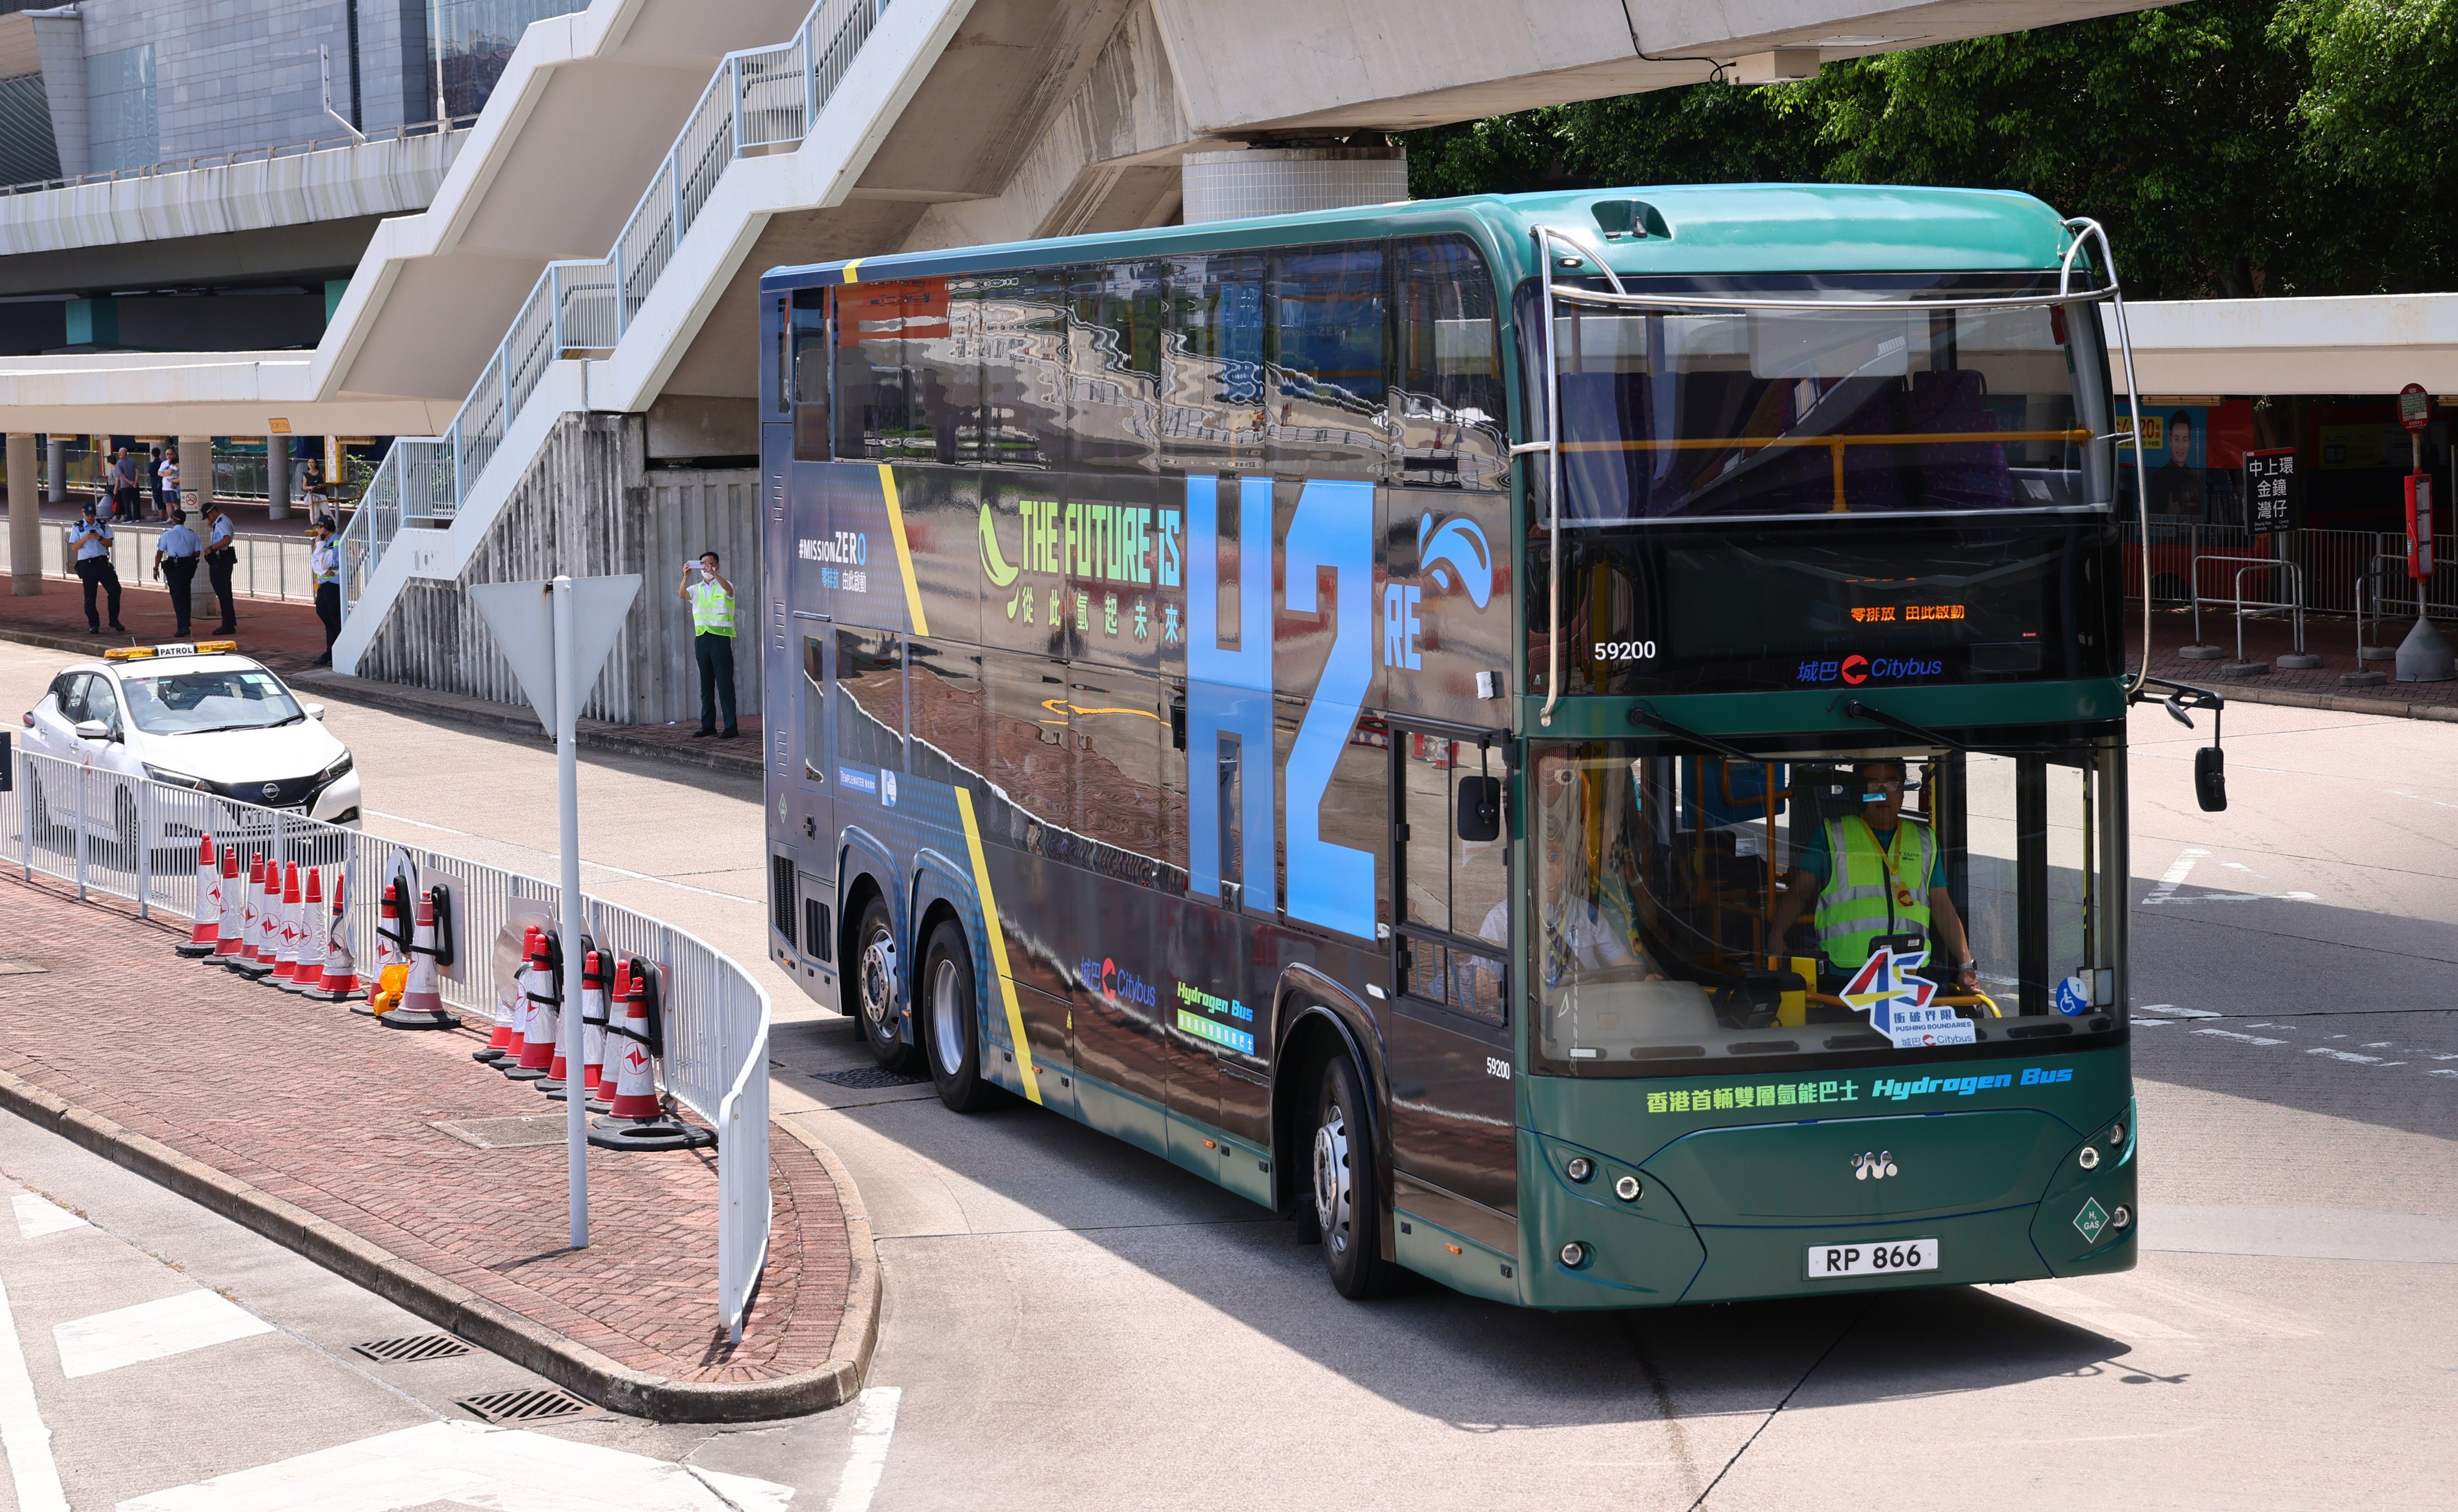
pixel 277 477
pixel 56 465
pixel 196 468
pixel 1286 180
pixel 24 520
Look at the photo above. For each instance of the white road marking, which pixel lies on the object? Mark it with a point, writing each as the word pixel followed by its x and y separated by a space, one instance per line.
pixel 173 1325
pixel 2193 1013
pixel 501 1469
pixel 874 1424
pixel 2231 1034
pixel 2151 1023
pixel 37 1217
pixel 2349 1056
pixel 2421 799
pixel 23 1433
pixel 2239 897
pixel 2175 876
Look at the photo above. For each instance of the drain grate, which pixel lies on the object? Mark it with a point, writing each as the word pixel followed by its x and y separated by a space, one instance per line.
pixel 526 1405
pixel 868 1078
pixel 416 1347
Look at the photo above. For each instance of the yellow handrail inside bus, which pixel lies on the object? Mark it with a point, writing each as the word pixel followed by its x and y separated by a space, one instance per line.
pixel 1835 444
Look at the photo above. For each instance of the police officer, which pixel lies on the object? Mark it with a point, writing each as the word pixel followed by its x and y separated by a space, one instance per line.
pixel 711 598
pixel 90 539
pixel 1876 874
pixel 176 553
pixel 324 566
pixel 220 556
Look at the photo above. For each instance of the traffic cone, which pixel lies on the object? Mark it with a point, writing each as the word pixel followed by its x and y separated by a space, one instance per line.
pixel 392 943
pixel 288 930
pixel 250 961
pixel 545 993
pixel 638 1120
pixel 206 937
pixel 308 926
pixel 635 1082
pixel 234 912
pixel 338 980
pixel 508 1007
pixel 592 1039
pixel 422 998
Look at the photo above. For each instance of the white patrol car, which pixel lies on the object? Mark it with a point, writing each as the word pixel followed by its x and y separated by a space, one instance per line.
pixel 197 716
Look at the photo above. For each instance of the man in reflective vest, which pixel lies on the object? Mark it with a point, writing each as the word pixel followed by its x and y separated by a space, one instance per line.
pixel 1873 875
pixel 711 598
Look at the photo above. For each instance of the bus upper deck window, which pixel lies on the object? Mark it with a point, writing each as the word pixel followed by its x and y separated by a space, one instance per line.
pixel 809 377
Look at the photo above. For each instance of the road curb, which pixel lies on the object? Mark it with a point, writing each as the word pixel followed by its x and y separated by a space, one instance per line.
pixel 2336 703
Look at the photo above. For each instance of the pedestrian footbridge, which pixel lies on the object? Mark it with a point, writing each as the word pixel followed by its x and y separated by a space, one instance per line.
pixel 562 339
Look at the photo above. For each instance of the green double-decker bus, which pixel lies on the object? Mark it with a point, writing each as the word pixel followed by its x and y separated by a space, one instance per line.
pixel 1570 743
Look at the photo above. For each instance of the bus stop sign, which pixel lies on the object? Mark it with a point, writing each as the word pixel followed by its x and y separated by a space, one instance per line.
pixel 2414 410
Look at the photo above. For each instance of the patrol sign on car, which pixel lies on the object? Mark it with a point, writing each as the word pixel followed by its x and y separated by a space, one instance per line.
pixel 197 716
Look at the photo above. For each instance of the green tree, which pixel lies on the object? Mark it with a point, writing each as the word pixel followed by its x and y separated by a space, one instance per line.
pixel 2231 147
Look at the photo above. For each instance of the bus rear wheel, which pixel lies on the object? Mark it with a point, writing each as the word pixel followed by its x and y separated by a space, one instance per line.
pixel 1347 1188
pixel 876 989
pixel 950 1026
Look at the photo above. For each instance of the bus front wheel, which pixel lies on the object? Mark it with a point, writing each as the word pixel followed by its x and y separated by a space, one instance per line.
pixel 876 989
pixel 1347 1188
pixel 950 1028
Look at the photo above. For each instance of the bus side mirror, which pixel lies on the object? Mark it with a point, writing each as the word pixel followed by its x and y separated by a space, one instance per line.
pixel 2210 778
pixel 1480 808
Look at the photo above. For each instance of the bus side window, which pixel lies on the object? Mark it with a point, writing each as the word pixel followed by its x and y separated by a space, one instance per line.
pixel 870 701
pixel 870 411
pixel 1452 885
pixel 1330 352
pixel 815 707
pixel 1114 360
pixel 1212 372
pixel 943 370
pixel 1023 321
pixel 809 375
pixel 1447 405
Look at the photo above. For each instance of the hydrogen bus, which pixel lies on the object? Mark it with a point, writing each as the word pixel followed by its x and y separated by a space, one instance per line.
pixel 1572 743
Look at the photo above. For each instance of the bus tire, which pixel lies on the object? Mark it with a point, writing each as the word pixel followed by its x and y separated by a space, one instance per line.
pixel 1347 1187
pixel 948 1021
pixel 875 988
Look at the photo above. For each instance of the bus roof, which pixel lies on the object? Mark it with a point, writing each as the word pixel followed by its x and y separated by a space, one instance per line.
pixel 1705 229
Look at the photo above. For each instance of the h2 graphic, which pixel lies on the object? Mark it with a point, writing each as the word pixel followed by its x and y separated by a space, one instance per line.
pixel 1229 697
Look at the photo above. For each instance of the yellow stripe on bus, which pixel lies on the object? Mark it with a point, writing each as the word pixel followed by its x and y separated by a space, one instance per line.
pixel 998 945
pixel 903 552
pixel 849 275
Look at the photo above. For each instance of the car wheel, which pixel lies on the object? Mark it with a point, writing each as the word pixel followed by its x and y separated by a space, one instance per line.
pixel 1349 1188
pixel 950 1020
pixel 877 988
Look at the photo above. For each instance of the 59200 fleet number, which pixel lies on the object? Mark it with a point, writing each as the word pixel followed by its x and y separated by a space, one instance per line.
pixel 1625 651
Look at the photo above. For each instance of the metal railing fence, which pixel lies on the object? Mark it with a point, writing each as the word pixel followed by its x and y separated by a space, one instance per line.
pixel 106 833
pixel 759 100
pixel 2191 562
pixel 268 568
pixel 245 155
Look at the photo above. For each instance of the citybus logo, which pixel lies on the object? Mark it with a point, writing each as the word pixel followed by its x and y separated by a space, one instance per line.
pixel 1117 983
pixel 1856 668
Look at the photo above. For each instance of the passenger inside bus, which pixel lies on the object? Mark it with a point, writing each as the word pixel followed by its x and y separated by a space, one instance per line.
pixel 1891 886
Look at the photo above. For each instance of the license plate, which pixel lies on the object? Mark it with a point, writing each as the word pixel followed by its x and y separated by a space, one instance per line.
pixel 1871 1258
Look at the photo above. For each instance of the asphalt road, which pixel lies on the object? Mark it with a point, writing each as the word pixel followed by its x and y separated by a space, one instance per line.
pixel 1070 1322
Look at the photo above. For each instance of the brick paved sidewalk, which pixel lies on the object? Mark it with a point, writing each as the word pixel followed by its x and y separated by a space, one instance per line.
pixel 284 637
pixel 317 1107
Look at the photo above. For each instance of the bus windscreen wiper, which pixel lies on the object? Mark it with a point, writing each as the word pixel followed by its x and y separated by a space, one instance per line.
pixel 1854 708
pixel 1646 714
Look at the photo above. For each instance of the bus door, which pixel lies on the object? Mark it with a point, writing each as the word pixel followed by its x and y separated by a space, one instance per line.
pixel 1454 1112
pixel 809 809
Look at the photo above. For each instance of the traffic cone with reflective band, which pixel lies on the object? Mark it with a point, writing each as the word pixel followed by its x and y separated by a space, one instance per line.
pixel 306 951
pixel 508 1004
pixel 593 1038
pixel 234 911
pixel 288 930
pixel 206 935
pixel 250 960
pixel 422 997
pixel 638 1120
pixel 338 980
pixel 268 918
pixel 393 948
pixel 545 995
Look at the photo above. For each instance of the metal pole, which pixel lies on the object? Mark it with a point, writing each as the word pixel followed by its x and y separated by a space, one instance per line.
pixel 566 771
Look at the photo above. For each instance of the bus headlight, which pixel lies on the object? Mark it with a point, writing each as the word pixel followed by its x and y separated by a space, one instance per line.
pixel 1579 1168
pixel 1627 1189
pixel 1574 1254
pixel 2122 1216
pixel 2090 1157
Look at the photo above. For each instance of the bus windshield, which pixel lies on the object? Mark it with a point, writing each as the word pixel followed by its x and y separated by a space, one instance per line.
pixel 1822 908
pixel 1737 414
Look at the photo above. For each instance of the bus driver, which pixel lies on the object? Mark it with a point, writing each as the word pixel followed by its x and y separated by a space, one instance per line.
pixel 1893 883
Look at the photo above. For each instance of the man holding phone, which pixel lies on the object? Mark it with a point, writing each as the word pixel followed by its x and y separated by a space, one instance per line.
pixel 711 598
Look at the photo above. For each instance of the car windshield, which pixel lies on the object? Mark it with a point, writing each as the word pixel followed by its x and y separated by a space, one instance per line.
pixel 1739 414
pixel 1690 910
pixel 194 702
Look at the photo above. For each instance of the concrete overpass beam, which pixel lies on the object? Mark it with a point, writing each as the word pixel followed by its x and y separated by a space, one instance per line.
pixel 1286 180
